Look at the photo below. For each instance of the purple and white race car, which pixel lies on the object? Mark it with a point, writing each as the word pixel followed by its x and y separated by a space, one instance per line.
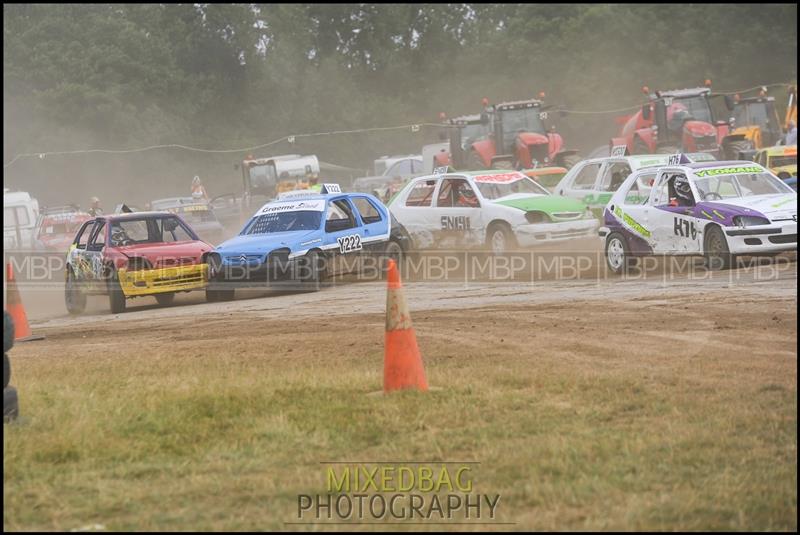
pixel 715 209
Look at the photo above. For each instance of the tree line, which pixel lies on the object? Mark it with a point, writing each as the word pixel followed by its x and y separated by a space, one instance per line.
pixel 219 75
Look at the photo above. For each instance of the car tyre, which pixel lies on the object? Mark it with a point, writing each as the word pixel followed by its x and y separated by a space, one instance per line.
pixel 74 296
pixel 10 404
pixel 500 238
pixel 618 256
pixel 310 271
pixel 715 250
pixel 394 252
pixel 570 160
pixel 116 298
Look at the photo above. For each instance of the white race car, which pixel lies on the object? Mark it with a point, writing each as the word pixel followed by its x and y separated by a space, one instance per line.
pixel 715 209
pixel 593 181
pixel 499 209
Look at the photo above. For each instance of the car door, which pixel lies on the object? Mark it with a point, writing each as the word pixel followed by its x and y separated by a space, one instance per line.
pixel 374 222
pixel 415 211
pixel 458 210
pixel 344 236
pixel 77 256
pixel 674 228
pixel 582 184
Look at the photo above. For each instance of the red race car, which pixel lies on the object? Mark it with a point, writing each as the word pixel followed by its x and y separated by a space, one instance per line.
pixel 55 231
pixel 134 254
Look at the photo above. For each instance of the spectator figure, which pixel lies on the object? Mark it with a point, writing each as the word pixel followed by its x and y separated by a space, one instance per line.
pixel 791 134
pixel 198 191
pixel 94 207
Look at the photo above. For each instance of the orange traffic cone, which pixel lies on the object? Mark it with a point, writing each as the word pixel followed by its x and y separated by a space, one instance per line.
pixel 402 365
pixel 22 331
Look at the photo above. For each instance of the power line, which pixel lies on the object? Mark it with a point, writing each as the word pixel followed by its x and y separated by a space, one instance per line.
pixel 292 138
pixel 413 127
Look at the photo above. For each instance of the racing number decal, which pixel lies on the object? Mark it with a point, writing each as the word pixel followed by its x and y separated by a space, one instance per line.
pixel 684 228
pixel 458 222
pixel 349 243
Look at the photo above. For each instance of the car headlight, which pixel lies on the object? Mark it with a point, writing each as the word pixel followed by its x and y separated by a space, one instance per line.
pixel 745 221
pixel 537 217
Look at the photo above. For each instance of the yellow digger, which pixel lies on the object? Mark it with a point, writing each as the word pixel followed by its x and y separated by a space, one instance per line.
pixel 757 119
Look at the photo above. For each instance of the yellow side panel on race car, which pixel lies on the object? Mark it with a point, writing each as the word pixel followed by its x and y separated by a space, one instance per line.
pixel 172 279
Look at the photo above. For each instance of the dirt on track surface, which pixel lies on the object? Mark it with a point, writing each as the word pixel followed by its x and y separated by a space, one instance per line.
pixel 664 402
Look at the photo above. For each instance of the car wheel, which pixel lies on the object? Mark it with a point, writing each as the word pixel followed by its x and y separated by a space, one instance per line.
pixel 716 252
pixel 310 271
pixel 10 404
pixel 500 239
pixel 618 257
pixel 8 332
pixel 116 298
pixel 165 299
pixel 74 296
pixel 394 252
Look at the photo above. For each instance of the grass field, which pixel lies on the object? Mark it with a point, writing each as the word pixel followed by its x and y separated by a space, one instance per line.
pixel 581 415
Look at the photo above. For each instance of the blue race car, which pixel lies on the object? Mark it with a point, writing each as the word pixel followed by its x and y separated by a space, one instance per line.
pixel 306 236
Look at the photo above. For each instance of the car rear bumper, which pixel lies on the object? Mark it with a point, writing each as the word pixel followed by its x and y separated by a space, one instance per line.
pixel 172 279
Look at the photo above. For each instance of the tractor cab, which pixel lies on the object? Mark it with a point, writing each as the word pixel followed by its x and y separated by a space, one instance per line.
pixel 757 119
pixel 519 137
pixel 680 120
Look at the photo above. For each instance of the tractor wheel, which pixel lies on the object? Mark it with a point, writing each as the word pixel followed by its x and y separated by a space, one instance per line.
pixel 474 162
pixel 570 160
pixel 667 149
pixel 639 147
pixel 733 149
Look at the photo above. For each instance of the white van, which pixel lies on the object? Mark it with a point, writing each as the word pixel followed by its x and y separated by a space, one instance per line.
pixel 20 212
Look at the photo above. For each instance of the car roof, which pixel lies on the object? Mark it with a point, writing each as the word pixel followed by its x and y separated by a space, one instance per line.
pixel 135 215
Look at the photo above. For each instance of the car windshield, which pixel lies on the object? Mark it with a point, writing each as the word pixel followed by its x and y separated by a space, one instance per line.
pixel 498 190
pixel 150 230
pixel 283 222
pixel 782 161
pixel 739 185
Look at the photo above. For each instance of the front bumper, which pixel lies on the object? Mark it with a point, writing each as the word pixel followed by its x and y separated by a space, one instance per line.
pixel 155 281
pixel 772 238
pixel 533 234
pixel 255 270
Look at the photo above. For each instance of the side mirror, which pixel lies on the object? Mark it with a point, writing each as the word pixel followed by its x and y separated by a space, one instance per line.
pixel 729 102
pixel 646 112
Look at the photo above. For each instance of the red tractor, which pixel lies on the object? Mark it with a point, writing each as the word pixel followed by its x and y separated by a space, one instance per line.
pixel 461 131
pixel 680 121
pixel 518 138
